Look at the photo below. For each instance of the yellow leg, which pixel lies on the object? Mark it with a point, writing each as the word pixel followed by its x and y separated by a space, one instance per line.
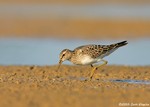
pixel 95 68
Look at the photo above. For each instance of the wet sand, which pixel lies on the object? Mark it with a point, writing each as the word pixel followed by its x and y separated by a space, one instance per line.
pixel 42 86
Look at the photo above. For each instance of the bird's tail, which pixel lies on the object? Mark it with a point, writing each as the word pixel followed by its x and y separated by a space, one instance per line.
pixel 121 43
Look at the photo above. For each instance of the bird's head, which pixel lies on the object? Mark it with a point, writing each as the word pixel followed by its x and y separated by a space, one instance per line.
pixel 64 55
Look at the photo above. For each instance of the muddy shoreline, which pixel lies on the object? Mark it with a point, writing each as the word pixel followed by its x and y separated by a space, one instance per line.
pixel 42 86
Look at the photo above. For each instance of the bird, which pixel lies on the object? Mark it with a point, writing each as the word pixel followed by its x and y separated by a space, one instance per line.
pixel 89 55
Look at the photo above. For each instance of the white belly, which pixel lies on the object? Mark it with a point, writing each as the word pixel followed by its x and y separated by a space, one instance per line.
pixel 86 60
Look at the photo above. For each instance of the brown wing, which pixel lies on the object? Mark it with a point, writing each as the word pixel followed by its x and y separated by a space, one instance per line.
pixel 92 50
pixel 108 49
pixel 98 50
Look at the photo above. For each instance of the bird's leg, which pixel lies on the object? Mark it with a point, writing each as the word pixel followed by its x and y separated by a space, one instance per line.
pixel 95 68
pixel 91 67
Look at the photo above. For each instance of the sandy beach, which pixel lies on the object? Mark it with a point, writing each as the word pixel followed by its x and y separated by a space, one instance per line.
pixel 42 86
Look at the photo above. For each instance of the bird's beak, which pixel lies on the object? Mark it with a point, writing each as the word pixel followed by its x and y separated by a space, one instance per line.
pixel 60 62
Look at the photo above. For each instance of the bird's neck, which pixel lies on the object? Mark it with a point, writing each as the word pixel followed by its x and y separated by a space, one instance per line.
pixel 70 54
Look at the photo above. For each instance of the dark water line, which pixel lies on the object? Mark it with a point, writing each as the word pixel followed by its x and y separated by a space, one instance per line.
pixel 131 81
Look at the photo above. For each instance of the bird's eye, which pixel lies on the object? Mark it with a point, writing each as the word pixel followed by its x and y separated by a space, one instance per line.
pixel 63 54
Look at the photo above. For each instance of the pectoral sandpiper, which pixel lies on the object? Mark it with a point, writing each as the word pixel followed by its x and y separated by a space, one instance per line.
pixel 89 54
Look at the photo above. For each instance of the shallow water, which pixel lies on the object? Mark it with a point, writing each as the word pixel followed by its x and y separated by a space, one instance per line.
pixel 131 81
pixel 46 51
